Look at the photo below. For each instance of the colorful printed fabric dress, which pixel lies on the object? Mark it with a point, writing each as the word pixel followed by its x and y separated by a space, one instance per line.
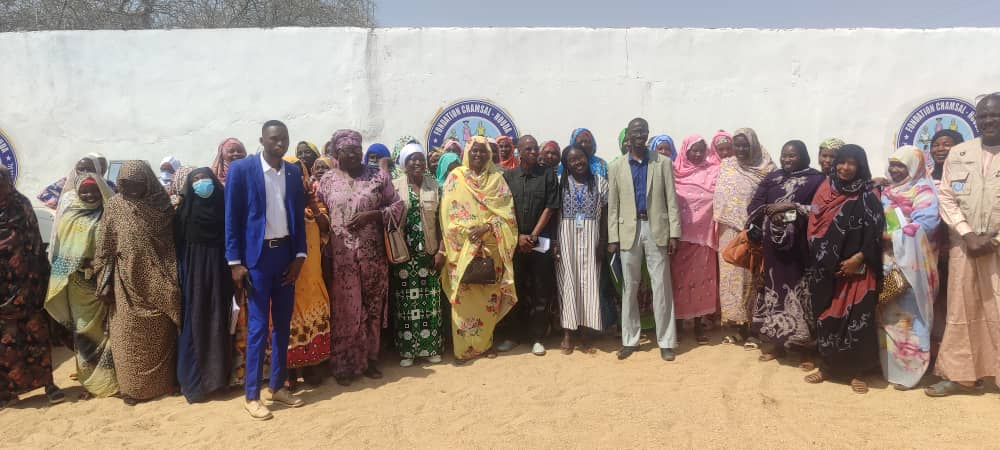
pixel 25 350
pixel 846 219
pixel 417 293
pixel 911 209
pixel 782 314
pixel 360 284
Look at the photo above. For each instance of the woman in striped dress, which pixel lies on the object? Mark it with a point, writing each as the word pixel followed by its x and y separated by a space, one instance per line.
pixel 583 240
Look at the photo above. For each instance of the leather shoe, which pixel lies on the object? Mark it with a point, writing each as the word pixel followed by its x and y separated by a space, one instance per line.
pixel 625 352
pixel 284 397
pixel 667 354
pixel 257 410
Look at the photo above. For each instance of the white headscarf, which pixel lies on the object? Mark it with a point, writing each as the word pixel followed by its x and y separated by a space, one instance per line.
pixel 406 152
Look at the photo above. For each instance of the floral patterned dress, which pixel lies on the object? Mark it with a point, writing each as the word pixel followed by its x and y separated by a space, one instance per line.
pixel 25 349
pixel 360 283
pixel 417 293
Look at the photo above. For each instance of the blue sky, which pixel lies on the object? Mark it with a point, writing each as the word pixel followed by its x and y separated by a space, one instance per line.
pixel 696 13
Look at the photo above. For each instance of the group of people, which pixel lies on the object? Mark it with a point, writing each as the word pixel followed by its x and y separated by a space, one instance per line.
pixel 290 268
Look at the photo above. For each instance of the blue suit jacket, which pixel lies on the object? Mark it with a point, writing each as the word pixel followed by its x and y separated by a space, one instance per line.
pixel 246 207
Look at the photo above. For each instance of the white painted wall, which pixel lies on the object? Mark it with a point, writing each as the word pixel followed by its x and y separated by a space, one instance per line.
pixel 146 94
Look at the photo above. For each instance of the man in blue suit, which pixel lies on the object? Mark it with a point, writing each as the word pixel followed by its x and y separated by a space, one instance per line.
pixel 265 247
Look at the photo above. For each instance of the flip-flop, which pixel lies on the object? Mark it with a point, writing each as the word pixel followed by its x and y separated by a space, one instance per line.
pixel 945 388
pixel 765 357
pixel 750 345
pixel 815 378
pixel 807 366
pixel 732 339
pixel 859 386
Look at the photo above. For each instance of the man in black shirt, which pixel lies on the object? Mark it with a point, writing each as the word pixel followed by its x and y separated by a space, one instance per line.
pixel 536 202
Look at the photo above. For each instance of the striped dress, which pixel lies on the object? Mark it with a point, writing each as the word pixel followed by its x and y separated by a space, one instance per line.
pixel 578 273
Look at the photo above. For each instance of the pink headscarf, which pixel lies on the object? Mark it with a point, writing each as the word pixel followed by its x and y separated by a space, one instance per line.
pixel 717 139
pixel 220 167
pixel 343 138
pixel 695 186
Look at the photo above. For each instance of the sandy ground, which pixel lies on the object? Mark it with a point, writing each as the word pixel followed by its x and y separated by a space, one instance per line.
pixel 712 397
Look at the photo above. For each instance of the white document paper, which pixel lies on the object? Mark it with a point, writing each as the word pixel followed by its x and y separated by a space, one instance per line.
pixel 543 245
pixel 234 316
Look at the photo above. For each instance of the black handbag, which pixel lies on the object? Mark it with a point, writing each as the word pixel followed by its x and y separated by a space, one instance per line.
pixel 481 269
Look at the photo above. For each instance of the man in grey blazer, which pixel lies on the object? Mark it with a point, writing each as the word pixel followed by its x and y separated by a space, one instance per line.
pixel 643 223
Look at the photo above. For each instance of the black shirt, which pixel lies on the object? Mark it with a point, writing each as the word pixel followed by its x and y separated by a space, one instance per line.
pixel 533 192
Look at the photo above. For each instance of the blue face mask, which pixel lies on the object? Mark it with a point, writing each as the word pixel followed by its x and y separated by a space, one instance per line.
pixel 203 188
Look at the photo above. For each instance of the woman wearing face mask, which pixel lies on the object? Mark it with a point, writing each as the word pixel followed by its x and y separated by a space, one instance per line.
pixel 136 262
pixel 168 167
pixel 739 178
pixel 911 212
pixel 845 243
pixel 780 208
pixel 72 298
pixel 204 347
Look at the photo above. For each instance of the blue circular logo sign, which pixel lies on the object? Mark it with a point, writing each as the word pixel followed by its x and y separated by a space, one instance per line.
pixel 467 118
pixel 935 115
pixel 7 156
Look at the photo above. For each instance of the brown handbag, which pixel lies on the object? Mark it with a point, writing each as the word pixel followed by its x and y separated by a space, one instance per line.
pixel 395 242
pixel 742 252
pixel 481 269
pixel 894 285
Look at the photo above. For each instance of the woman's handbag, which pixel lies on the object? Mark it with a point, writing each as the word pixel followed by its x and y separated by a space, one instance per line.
pixel 742 252
pixel 481 269
pixel 894 285
pixel 395 242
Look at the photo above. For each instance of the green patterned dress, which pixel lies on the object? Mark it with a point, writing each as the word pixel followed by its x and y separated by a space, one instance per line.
pixel 416 292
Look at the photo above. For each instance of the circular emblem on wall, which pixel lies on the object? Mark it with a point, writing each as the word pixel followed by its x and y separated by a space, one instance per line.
pixel 945 113
pixel 467 118
pixel 7 156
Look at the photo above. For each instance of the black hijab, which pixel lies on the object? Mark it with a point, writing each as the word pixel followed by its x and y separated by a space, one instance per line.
pixel 863 179
pixel 202 220
pixel 800 148
pixel 956 137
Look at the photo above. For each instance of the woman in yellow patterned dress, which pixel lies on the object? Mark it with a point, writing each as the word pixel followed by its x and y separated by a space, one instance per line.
pixel 477 212
pixel 309 341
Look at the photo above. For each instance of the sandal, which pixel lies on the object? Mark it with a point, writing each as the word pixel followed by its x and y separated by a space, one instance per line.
pixel 491 353
pixel 751 345
pixel 765 357
pixel 859 386
pixel 55 395
pixel 732 339
pixel 815 378
pixel 566 346
pixel 900 387
pixel 807 366
pixel 945 388
pixel 372 372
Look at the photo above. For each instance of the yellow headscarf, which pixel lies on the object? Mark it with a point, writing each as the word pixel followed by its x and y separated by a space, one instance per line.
pixel 469 200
